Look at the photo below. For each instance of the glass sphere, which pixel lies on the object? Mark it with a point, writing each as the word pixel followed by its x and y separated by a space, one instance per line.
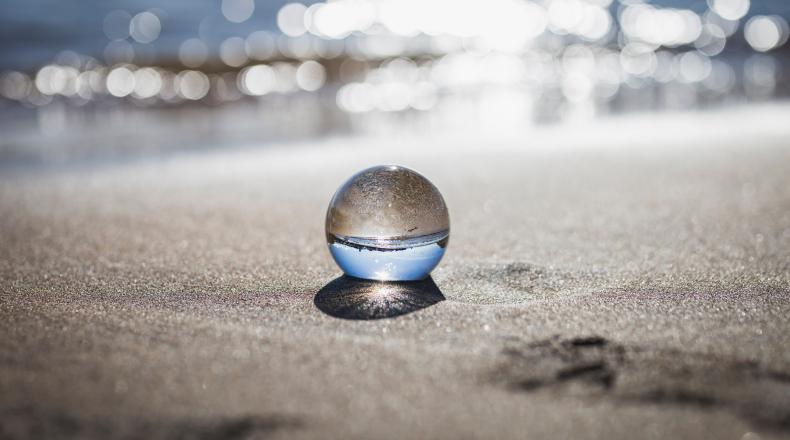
pixel 387 223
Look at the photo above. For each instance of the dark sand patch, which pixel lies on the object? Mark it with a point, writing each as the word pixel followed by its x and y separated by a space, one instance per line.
pixel 596 367
pixel 37 423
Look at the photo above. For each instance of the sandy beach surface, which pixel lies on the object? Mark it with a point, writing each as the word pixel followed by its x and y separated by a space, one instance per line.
pixel 626 279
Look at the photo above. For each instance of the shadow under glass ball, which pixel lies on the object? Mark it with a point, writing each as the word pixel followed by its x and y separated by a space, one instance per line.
pixel 387 223
pixel 353 298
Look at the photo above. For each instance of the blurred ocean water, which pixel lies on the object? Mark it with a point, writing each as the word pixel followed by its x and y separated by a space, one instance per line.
pixel 81 78
pixel 34 32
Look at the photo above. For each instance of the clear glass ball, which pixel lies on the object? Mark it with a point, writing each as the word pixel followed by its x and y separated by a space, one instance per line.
pixel 387 223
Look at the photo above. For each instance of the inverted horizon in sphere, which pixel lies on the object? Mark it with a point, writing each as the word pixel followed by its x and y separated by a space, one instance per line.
pixel 387 223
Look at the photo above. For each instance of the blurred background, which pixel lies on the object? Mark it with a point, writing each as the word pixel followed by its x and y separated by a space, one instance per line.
pixel 95 79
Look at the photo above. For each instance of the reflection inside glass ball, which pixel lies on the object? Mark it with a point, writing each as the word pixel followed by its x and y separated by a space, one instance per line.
pixel 387 223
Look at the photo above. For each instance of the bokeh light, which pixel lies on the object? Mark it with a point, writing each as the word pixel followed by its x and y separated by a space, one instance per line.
pixel 764 33
pixel 257 80
pixel 730 9
pixel 120 82
pixel 443 60
pixel 233 51
pixel 192 85
pixel 310 76
pixel 238 11
pixel 145 27
pixel 290 19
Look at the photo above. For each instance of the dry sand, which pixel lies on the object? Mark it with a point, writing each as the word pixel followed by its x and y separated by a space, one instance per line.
pixel 620 283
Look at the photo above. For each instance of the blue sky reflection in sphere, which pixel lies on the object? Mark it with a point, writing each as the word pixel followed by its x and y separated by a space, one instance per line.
pixel 387 223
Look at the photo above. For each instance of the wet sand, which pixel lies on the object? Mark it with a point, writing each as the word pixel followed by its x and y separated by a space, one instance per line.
pixel 609 282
